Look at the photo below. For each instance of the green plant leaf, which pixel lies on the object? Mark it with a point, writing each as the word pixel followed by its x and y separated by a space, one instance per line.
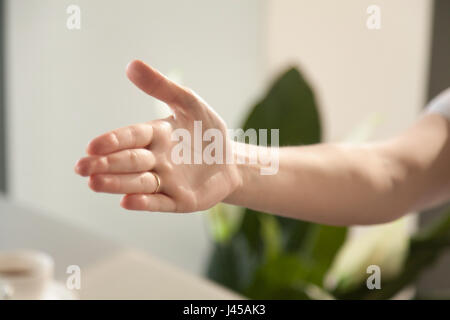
pixel 271 235
pixel 234 262
pixel 321 246
pixel 290 107
pixel 279 278
pixel 223 221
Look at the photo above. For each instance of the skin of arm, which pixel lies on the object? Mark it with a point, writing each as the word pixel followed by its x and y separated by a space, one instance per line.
pixel 333 184
pixel 342 184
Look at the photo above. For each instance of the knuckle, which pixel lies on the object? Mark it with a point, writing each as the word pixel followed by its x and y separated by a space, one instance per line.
pixel 96 183
pixel 103 164
pixel 144 179
pixel 114 139
pixel 148 127
pixel 133 133
pixel 133 157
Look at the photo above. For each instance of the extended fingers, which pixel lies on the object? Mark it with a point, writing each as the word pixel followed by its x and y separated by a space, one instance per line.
pixel 124 183
pixel 149 202
pixel 132 137
pixel 126 161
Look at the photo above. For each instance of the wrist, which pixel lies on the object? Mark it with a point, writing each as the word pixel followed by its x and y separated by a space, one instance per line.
pixel 243 167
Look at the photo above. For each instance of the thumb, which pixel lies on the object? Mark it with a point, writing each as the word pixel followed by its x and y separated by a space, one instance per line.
pixel 152 82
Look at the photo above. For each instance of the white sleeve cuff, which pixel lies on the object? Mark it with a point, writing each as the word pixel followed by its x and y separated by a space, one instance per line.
pixel 440 104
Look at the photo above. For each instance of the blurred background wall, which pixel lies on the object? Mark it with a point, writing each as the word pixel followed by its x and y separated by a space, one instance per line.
pixel 355 71
pixel 65 87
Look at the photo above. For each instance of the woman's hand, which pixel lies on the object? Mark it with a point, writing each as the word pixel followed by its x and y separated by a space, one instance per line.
pixel 130 160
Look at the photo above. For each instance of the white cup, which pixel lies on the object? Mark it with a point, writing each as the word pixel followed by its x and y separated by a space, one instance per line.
pixel 25 274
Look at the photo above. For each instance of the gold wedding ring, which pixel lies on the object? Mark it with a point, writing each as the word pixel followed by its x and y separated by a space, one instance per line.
pixel 158 182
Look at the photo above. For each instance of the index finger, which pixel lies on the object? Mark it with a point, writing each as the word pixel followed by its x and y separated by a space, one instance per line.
pixel 132 137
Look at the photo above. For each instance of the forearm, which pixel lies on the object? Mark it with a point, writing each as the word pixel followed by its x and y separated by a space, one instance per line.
pixel 326 183
pixel 366 184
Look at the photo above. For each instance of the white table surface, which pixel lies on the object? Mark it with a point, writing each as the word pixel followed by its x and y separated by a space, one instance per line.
pixel 108 270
